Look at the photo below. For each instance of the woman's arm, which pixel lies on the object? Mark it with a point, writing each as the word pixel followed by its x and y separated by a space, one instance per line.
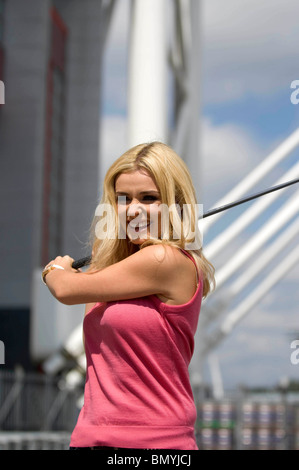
pixel 148 271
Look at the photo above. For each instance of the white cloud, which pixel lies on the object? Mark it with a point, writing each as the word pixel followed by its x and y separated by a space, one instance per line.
pixel 113 141
pixel 228 153
pixel 248 47
pixel 120 25
pixel 116 58
pixel 254 23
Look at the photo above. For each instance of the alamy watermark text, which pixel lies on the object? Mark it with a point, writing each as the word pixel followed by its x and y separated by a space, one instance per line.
pixel 295 94
pixel 2 92
pixel 156 221
pixel 295 354
pixel 2 353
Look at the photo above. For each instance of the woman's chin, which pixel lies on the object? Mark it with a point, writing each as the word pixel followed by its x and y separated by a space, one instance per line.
pixel 139 239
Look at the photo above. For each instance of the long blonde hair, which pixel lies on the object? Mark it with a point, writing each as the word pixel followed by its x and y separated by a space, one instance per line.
pixel 174 182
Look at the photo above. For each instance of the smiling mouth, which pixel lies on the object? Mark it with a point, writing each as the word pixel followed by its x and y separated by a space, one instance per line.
pixel 140 227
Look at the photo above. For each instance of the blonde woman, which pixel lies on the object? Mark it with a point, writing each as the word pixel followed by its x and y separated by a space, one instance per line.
pixel 143 295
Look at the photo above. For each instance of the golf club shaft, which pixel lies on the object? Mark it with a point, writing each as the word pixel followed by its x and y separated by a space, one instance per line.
pixel 86 261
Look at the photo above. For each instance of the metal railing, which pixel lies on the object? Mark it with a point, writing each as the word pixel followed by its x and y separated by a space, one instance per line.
pixel 38 412
pixel 34 440
pixel 36 402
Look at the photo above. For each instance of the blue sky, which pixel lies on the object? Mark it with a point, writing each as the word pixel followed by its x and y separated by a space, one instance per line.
pixel 249 58
pixel 261 114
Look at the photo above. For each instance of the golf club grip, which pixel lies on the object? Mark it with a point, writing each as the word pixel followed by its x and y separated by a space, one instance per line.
pixel 81 262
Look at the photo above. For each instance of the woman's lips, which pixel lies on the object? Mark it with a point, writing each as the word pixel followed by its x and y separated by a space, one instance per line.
pixel 140 226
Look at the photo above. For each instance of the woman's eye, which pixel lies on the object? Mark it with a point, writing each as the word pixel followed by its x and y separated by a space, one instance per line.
pixel 150 198
pixel 145 199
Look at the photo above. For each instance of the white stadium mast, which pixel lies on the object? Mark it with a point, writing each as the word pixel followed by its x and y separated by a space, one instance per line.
pixel 164 64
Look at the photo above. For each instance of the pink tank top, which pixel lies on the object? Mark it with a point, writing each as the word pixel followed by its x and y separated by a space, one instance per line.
pixel 137 390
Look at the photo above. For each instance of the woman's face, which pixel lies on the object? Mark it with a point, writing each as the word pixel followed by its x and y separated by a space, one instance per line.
pixel 138 200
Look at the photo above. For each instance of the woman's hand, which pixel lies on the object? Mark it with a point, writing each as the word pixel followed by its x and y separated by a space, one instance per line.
pixel 65 262
pixel 51 276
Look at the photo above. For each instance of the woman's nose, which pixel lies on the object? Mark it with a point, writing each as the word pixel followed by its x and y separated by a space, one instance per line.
pixel 134 209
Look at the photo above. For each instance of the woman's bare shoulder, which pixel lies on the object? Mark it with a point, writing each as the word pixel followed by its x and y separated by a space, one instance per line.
pixel 171 258
pixel 179 281
pixel 161 252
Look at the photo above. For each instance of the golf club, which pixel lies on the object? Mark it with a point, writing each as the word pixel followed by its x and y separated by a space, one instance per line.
pixel 86 261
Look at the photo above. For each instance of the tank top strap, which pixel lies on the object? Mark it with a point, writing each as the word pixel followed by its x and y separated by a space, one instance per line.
pixel 192 259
